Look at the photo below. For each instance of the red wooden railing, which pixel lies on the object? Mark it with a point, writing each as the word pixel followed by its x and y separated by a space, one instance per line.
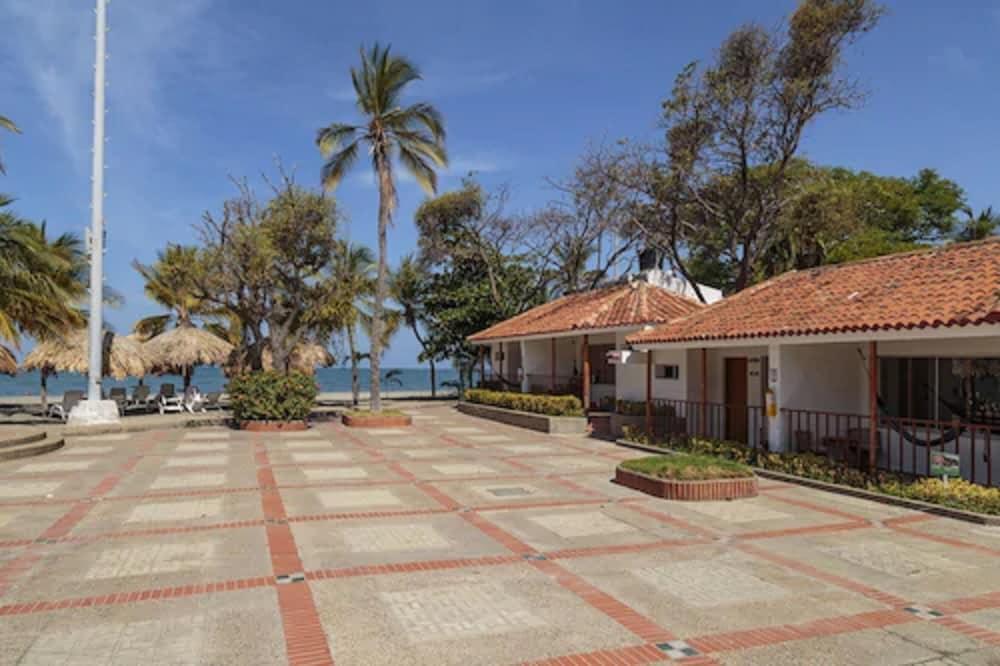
pixel 744 423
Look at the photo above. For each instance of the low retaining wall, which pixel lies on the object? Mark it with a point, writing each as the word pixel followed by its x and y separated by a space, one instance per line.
pixel 273 426
pixel 691 491
pixel 556 425
pixel 376 421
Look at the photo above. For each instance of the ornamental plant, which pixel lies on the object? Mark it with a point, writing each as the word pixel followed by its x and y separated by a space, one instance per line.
pixel 549 405
pixel 272 396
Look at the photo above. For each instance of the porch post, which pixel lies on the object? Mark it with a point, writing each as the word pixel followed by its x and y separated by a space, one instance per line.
pixel 552 365
pixel 503 386
pixel 776 436
pixel 585 347
pixel 649 393
pixel 482 364
pixel 704 392
pixel 525 380
pixel 872 404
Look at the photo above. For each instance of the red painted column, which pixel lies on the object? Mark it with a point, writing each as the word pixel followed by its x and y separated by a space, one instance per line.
pixel 872 404
pixel 503 386
pixel 586 372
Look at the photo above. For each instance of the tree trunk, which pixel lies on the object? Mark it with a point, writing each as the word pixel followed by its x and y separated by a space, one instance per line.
pixel 433 380
pixel 44 374
pixel 187 377
pixel 355 380
pixel 386 196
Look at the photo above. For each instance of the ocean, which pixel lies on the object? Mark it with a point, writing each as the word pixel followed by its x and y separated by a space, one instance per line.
pixel 210 378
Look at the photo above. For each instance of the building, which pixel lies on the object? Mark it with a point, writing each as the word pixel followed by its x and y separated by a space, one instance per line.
pixel 882 362
pixel 563 346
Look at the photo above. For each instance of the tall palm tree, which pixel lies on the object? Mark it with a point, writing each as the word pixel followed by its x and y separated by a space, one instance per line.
pixel 411 135
pixel 978 227
pixel 7 124
pixel 407 290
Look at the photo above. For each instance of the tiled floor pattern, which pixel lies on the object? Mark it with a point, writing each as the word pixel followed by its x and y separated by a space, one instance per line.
pixel 459 541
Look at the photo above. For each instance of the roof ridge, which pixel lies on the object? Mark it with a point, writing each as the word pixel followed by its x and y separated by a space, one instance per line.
pixel 950 247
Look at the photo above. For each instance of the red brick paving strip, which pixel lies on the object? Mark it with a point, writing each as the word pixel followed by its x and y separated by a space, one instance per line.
pixel 305 640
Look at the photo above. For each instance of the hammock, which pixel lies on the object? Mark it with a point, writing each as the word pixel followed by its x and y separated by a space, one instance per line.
pixel 951 434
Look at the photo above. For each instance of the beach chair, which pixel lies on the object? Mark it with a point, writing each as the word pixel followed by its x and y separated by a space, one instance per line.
pixel 213 400
pixel 168 400
pixel 140 399
pixel 69 401
pixel 120 396
pixel 193 400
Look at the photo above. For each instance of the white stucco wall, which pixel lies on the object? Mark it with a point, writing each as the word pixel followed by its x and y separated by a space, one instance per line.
pixel 829 378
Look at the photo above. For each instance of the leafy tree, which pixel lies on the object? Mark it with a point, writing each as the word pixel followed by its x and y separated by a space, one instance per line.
pixel 7 124
pixel 734 128
pixel 262 263
pixel 413 135
pixel 480 272
pixel 408 289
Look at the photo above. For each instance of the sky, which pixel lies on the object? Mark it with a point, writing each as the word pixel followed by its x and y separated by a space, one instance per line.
pixel 200 91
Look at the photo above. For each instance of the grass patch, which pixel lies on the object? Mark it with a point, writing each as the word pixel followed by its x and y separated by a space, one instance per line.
pixel 688 467
pixel 368 414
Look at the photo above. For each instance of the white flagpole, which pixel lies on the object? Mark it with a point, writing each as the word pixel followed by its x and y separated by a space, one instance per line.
pixel 97 212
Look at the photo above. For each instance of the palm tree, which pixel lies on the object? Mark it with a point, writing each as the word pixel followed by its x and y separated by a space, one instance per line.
pixel 7 124
pixel 407 290
pixel 978 227
pixel 412 135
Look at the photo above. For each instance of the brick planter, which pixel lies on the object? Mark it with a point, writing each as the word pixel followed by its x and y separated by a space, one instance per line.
pixel 382 421
pixel 273 426
pixel 694 491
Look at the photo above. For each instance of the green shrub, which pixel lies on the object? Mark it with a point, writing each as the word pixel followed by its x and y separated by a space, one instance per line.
pixel 957 493
pixel 550 405
pixel 272 396
pixel 689 467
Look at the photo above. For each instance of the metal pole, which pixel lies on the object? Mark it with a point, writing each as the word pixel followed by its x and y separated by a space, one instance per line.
pixel 97 211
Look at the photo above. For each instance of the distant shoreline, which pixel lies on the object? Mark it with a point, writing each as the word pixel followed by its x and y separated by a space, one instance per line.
pixel 329 396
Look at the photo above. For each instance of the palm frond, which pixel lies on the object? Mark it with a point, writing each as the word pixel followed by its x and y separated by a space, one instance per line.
pixel 9 125
pixel 150 327
pixel 329 139
pixel 418 167
pixel 425 115
pixel 338 164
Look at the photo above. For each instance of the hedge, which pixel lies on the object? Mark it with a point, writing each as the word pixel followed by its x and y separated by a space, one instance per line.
pixel 549 405
pixel 956 494
pixel 272 396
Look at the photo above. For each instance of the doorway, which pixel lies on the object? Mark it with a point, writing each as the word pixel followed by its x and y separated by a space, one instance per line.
pixel 736 399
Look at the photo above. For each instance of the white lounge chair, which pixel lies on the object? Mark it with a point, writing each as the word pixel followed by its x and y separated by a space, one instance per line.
pixel 168 400
pixel 193 400
pixel 69 401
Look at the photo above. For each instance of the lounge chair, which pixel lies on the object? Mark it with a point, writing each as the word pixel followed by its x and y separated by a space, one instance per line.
pixel 140 399
pixel 168 400
pixel 193 400
pixel 120 396
pixel 212 400
pixel 69 401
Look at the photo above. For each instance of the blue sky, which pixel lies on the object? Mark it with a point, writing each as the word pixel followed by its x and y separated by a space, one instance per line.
pixel 203 89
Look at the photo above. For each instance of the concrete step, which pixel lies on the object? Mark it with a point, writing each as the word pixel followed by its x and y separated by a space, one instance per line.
pixel 23 439
pixel 36 448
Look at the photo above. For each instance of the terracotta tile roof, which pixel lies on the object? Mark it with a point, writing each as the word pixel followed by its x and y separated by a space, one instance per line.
pixel 631 304
pixel 954 285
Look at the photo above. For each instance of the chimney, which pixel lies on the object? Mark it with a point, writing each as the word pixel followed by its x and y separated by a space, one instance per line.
pixel 650 259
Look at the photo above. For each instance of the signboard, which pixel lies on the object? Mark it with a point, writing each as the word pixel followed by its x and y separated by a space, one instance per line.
pixel 945 464
pixel 625 357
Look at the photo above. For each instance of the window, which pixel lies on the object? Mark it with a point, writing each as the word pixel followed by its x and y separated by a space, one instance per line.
pixel 667 371
pixel 942 388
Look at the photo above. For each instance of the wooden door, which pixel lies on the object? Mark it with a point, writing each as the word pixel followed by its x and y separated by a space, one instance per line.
pixel 736 399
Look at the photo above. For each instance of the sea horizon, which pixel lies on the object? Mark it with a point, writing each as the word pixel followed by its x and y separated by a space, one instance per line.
pixel 210 378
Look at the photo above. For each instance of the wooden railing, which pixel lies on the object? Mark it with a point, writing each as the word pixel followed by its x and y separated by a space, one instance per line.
pixel 746 424
pixel 903 445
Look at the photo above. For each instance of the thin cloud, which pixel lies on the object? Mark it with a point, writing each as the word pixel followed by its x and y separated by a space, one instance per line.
pixel 955 60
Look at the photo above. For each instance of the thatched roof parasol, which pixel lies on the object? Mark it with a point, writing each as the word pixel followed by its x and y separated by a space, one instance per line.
pixel 8 364
pixel 306 357
pixel 70 353
pixel 186 347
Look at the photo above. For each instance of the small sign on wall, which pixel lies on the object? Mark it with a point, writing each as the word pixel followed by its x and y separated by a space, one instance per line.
pixel 772 375
pixel 945 465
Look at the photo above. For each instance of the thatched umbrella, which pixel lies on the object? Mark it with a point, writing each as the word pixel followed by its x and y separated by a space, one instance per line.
pixel 8 364
pixel 181 349
pixel 305 358
pixel 71 353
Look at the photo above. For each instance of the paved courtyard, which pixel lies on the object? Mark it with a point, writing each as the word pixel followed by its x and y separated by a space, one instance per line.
pixel 460 541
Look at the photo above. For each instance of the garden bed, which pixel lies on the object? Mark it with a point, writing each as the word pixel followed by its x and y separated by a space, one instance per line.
pixel 564 425
pixel 389 418
pixel 688 478
pixel 272 426
pixel 957 499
